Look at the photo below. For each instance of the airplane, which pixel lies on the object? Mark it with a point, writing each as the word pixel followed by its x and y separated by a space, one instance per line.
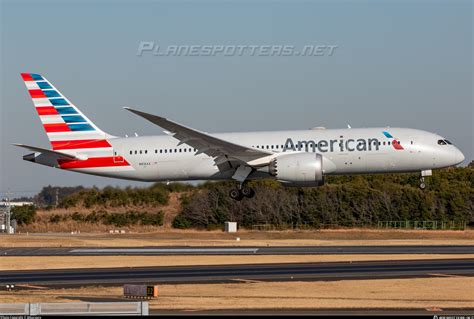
pixel 300 158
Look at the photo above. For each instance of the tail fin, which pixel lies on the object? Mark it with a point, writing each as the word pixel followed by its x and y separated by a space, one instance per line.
pixel 64 124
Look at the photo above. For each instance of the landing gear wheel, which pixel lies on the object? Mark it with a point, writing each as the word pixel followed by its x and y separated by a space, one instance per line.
pixel 247 192
pixel 422 183
pixel 235 194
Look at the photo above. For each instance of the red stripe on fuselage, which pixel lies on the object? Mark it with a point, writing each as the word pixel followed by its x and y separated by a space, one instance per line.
pixel 26 77
pixel 67 145
pixel 60 127
pixel 93 162
pixel 47 110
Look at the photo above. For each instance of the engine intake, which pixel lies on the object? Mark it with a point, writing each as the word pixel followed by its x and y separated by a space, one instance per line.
pixel 298 169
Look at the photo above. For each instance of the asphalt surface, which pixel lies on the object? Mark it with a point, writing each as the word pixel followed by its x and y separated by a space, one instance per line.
pixel 232 273
pixel 236 250
pixel 318 312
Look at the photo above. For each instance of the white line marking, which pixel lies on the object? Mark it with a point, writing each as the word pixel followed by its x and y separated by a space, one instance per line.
pixel 166 250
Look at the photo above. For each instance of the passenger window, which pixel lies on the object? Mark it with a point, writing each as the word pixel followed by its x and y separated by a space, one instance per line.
pixel 135 152
pixel 161 151
pixel 180 150
pixel 146 151
pixel 166 151
pixel 131 152
pixel 140 151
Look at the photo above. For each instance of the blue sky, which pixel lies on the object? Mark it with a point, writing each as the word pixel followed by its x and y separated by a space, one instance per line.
pixel 397 63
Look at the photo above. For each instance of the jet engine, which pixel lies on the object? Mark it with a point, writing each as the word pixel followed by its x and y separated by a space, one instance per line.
pixel 298 169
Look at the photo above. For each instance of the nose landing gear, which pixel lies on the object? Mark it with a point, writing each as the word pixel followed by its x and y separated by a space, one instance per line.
pixel 422 183
pixel 422 178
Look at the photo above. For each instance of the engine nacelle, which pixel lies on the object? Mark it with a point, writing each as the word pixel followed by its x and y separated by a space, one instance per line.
pixel 298 169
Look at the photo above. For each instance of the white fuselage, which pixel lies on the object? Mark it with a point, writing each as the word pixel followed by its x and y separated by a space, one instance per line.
pixel 344 151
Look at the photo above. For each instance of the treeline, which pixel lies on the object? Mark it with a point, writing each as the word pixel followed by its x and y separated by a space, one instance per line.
pixel 23 215
pixel 50 194
pixel 156 195
pixel 78 196
pixel 344 201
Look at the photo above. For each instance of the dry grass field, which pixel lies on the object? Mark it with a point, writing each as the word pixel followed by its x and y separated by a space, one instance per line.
pixel 246 238
pixel 420 293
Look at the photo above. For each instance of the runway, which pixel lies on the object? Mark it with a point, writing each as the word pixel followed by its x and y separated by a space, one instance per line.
pixel 236 273
pixel 236 250
pixel 318 312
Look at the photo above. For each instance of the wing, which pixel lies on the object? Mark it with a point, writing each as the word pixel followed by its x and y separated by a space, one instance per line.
pixel 223 151
pixel 59 155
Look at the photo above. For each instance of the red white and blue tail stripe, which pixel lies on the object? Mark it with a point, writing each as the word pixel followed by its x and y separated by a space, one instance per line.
pixel 62 120
pixel 68 129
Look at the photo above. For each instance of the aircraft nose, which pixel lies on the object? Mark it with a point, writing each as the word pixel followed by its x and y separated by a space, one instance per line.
pixel 458 156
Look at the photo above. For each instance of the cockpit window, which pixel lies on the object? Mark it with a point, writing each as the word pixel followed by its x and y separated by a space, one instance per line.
pixel 441 142
pixel 448 142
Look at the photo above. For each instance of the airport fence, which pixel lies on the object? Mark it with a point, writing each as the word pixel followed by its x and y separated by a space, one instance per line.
pixel 423 224
pixel 74 308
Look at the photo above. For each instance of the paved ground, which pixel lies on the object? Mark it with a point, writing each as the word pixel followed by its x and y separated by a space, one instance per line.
pixel 241 250
pixel 320 312
pixel 230 273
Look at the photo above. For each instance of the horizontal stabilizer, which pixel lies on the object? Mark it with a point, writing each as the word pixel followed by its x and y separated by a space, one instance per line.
pixel 59 155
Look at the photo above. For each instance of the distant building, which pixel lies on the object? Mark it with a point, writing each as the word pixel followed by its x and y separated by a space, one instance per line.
pixel 14 204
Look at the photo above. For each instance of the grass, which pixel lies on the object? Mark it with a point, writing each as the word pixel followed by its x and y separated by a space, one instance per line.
pixel 255 238
pixel 419 293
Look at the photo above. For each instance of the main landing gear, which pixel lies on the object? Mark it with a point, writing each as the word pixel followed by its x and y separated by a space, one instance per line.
pixel 241 192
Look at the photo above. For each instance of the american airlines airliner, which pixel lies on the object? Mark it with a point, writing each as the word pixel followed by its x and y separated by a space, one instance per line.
pixel 299 158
